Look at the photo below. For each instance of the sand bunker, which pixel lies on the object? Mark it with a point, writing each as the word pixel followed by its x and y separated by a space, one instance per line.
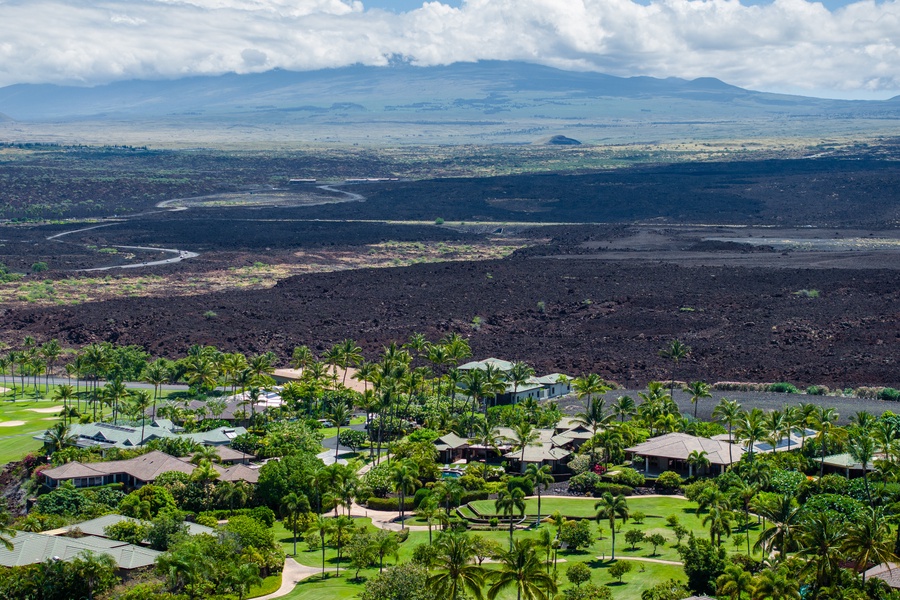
pixel 11 423
pixel 46 411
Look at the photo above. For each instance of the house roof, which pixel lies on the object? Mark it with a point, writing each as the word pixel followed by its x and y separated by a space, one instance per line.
pixel 450 441
pixel 507 435
pixel 146 468
pixel 845 461
pixel 215 437
pixel 887 572
pixel 552 378
pixel 539 454
pixel 30 548
pixel 679 446
pixel 96 527
pixel 502 365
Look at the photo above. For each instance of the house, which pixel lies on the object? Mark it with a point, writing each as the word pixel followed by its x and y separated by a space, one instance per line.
pixel 536 388
pixel 136 472
pixel 887 572
pixel 670 452
pixel 451 448
pixel 541 454
pixel 107 435
pixel 32 548
pixel 846 465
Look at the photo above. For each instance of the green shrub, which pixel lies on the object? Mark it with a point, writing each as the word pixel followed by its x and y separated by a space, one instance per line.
pixel 628 476
pixel 638 517
pixel 494 522
pixel 613 488
pixel 403 535
pixel 889 394
pixel 669 480
pixel 817 390
pixel 584 483
pixel 207 521
pixel 619 569
pixel 473 496
pixel 421 494
pixel 782 387
pixel 392 504
pixel 580 463
pixel 472 483
pixel 263 514
pixel 576 534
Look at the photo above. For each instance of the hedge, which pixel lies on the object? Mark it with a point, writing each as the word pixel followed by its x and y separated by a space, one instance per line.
pixel 472 496
pixel 613 488
pixel 389 503
pixel 262 514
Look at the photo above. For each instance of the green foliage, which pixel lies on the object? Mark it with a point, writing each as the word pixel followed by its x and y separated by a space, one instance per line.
pixel 619 569
pixel 146 502
pixel 167 529
pixel 656 540
pixel 588 592
pixel 638 517
pixel 39 267
pixel 378 479
pixel 403 582
pixel 669 480
pixel 65 500
pixel 439 221
pixel 580 463
pixel 613 488
pixel 131 532
pixel 703 563
pixel 634 537
pixel 277 478
pixel 249 532
pixel 840 509
pixel 666 590
pixel 578 573
pixel 85 576
pixel 889 394
pixel 392 504
pixel 584 483
pixel 783 388
pixel 576 534
pixel 628 476
pixel 786 482
pixel 6 276
pixel 817 390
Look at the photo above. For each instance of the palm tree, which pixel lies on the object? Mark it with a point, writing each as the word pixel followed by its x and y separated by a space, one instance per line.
pixel 522 569
pixel 545 541
pixel 541 478
pixel 64 393
pixel 719 520
pixel 675 351
pixel 302 357
pixel 428 510
pixel 698 391
pixel 609 507
pixel 821 542
pixel 868 541
pixel 404 479
pixel 340 526
pixel 862 450
pixel 292 506
pixel 523 435
pixel 507 503
pixel 386 544
pixel 593 418
pixel 484 434
pixel 733 582
pixel 775 584
pixel 519 374
pixel 115 391
pixel 824 418
pixel 202 373
pixel 140 403
pixel 242 577
pixel 58 437
pixel 51 351
pixel 351 355
pixel 156 374
pixel 698 459
pixel 751 429
pixel 338 414
pixel 456 576
pixel 728 412
pixel 785 517
pixel 623 408
pixel 6 533
pixel 321 527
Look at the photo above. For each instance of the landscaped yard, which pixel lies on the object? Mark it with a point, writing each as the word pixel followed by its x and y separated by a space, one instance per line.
pixel 21 420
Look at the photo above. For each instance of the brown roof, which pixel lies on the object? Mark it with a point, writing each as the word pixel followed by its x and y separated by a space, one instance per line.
pixel 679 446
pixel 887 572
pixel 145 468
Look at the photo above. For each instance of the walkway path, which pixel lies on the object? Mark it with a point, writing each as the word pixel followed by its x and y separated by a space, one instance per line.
pixel 293 574
pixel 651 560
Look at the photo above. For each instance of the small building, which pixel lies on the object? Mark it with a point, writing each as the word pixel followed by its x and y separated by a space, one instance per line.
pixel 670 452
pixel 846 465
pixel 887 572
pixel 542 454
pixel 32 548
pixel 107 435
pixel 136 472
pixel 97 527
pixel 451 448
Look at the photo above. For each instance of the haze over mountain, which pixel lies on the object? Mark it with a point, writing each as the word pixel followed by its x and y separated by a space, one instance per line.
pixel 505 101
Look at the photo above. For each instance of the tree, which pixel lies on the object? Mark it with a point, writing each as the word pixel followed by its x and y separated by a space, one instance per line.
pixel 656 540
pixel 733 582
pixel 508 502
pixel 821 542
pixel 719 520
pixel 728 412
pixel 576 534
pixel 634 537
pixel 578 573
pixel 65 394
pixel 698 459
pixel 751 428
pixel 428 510
pixel 698 391
pixel 540 478
pixel 676 352
pixel 385 544
pixel 96 571
pixel 338 415
pixel 292 506
pixel 456 575
pixel 619 569
pixel 240 578
pixel 784 515
pixel 610 507
pixel 404 478
pixel 862 450
pixel 775 584
pixel 6 533
pixel 321 526
pixel 340 527
pixel 403 582
pixel 703 563
pixel 593 416
pixel 58 437
pixel 520 568
pixel 523 435
pixel 518 375
pixel 824 418
pixel 624 408
pixel 867 541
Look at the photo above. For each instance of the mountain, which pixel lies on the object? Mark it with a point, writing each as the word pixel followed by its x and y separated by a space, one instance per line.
pixel 489 101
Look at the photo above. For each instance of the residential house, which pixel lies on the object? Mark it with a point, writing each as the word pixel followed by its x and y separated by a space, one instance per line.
pixel 670 452
pixel 107 435
pixel 32 548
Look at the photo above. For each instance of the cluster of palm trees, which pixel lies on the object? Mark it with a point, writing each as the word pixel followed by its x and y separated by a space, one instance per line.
pixel 32 361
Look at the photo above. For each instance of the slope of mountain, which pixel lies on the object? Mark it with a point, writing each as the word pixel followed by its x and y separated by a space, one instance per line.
pixel 483 102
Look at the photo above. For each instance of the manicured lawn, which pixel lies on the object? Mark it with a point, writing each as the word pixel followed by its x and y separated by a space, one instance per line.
pixel 269 584
pixel 19 421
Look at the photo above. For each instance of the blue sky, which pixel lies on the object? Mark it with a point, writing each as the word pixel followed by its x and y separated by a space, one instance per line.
pixel 833 48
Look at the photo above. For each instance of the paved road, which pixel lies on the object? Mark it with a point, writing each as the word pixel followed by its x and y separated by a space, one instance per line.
pixel 140 385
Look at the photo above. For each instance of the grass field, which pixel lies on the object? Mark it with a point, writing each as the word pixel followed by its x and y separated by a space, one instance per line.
pixel 21 420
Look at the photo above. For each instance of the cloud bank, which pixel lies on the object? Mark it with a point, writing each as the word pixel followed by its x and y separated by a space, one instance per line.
pixel 788 45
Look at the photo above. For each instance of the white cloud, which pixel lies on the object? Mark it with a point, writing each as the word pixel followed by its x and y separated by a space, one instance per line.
pixel 786 45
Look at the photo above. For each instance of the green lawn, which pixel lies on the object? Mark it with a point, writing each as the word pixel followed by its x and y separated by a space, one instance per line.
pixel 345 587
pixel 19 421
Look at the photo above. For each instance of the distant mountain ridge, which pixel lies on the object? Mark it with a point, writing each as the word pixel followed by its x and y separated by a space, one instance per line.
pixel 473 85
pixel 489 102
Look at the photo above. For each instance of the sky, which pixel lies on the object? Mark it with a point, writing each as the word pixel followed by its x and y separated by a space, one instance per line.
pixel 833 48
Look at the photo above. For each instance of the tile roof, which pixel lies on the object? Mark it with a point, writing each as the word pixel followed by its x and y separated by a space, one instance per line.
pixel 679 446
pixel 887 572
pixel 537 454
pixel 240 473
pixel 450 441
pixel 502 365
pixel 30 548
pixel 845 461
pixel 96 527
